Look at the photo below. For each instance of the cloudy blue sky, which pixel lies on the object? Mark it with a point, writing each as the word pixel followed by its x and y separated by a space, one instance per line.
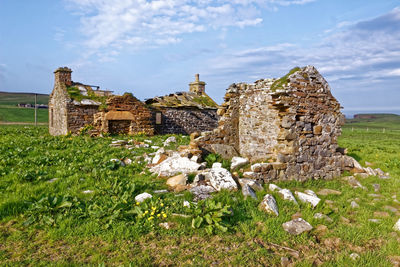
pixel 154 47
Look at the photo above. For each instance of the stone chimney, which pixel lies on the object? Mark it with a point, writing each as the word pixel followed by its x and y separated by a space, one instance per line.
pixel 197 87
pixel 63 75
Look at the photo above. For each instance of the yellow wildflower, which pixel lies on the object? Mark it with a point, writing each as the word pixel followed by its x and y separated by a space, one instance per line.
pixel 158 215
pixel 162 204
pixel 153 208
pixel 165 215
pixel 137 203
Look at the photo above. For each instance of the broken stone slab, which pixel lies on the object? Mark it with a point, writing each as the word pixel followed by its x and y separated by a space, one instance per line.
pixel 127 161
pixel 362 175
pixel 179 179
pixel 374 220
pixel 248 191
pixel 274 187
pixel 306 198
pixel 326 191
pixel 297 226
pixel 352 163
pixel 174 165
pixel 354 205
pixel 169 140
pixel 161 191
pixel 202 192
pixel 221 178
pixel 269 205
pixel 252 183
pixel 396 227
pixel 166 225
pixel 87 191
pixel 238 162
pixel 121 142
pixel 287 195
pixel 217 165
pixel 310 192
pixel 322 216
pixel 142 197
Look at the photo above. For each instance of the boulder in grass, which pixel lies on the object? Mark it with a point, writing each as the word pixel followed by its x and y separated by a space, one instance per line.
pixel 306 198
pixel 297 226
pixel 269 205
pixel 397 226
pixel 174 165
pixel 221 178
pixel 287 195
pixel 142 197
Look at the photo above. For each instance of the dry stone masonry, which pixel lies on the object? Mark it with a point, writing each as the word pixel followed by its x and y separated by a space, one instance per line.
pixel 289 125
pixel 74 107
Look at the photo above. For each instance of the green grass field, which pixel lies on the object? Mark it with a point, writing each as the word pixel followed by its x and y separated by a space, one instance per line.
pixel 48 216
pixel 9 112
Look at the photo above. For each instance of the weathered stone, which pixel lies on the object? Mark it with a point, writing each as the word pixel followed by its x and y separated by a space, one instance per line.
pixel 287 195
pixel 269 205
pixel 142 197
pixel 274 187
pixel 354 256
pixel 293 128
pixel 354 205
pixel 226 151
pixel 306 198
pixel 202 192
pixel 174 165
pixel 217 165
pixel 310 192
pixel 396 227
pixel 166 225
pixel 252 183
pixel 180 179
pixel 248 191
pixel 297 226
pixel 220 179
pixel 169 140
pixel 374 220
pixel 390 208
pixel 322 216
pixel 326 191
pixel 238 162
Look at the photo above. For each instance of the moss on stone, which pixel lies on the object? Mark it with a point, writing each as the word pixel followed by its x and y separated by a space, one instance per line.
pixel 280 83
pixel 205 100
pixel 75 94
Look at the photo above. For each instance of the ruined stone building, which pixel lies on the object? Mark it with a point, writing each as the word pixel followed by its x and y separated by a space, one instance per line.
pixel 74 106
pixel 289 125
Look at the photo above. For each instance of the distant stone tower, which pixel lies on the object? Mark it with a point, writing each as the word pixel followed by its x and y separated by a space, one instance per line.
pixel 197 87
pixel 63 75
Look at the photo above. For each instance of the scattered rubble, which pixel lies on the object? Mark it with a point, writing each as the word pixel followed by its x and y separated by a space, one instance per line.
pixel 307 198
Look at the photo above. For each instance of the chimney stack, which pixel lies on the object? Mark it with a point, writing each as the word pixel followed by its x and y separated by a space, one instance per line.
pixel 63 75
pixel 198 87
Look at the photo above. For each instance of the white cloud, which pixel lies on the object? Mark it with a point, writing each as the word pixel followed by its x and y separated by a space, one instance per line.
pixel 116 24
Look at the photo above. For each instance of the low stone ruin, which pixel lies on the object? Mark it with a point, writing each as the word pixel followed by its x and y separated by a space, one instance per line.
pixel 289 126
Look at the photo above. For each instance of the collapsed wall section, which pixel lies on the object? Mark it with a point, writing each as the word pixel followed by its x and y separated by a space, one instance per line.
pixel 291 125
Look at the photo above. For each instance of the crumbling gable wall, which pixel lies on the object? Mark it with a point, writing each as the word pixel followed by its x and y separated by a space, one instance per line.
pixel 291 125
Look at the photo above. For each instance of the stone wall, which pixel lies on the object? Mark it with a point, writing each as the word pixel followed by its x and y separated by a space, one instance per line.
pixel 185 120
pixel 291 125
pixel 124 109
pixel 78 116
